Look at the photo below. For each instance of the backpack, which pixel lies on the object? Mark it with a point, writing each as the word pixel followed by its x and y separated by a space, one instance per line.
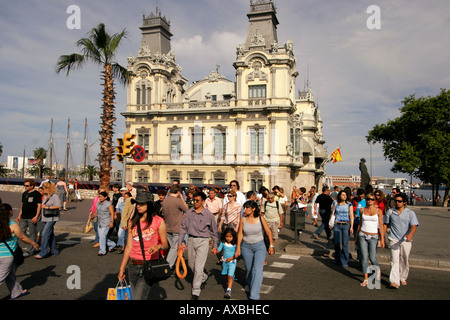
pixel 265 206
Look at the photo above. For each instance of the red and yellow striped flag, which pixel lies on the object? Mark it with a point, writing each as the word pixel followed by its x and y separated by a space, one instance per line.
pixel 336 155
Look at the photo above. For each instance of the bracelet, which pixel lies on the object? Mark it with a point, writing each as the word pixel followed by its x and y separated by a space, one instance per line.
pixel 272 246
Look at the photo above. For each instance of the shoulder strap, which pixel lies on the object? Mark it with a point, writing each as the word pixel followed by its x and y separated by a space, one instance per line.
pixel 12 252
pixel 138 225
pixel 265 206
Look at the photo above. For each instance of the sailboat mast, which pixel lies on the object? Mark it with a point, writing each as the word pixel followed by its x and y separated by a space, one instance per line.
pixel 68 148
pixel 51 149
pixel 85 143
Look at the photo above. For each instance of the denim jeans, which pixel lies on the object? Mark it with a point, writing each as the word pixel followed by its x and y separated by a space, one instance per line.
pixel 48 240
pixel 325 216
pixel 254 255
pixel 104 241
pixel 368 246
pixel 122 237
pixel 139 288
pixel 341 236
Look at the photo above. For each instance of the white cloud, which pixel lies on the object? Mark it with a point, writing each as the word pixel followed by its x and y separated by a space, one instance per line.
pixel 359 76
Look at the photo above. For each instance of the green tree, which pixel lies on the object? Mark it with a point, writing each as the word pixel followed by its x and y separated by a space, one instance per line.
pixel 101 48
pixel 418 142
pixel 90 172
pixel 39 155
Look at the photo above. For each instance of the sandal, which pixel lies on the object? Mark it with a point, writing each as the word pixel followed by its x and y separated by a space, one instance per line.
pixel 24 293
pixel 364 283
pixel 394 286
pixel 403 283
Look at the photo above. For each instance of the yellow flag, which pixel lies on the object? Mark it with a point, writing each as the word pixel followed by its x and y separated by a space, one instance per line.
pixel 336 155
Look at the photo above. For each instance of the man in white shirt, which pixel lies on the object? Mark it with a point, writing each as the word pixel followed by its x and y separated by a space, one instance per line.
pixel 240 197
pixel 214 204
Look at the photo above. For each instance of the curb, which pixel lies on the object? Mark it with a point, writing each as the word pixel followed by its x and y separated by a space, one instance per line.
pixel 287 246
pixel 383 257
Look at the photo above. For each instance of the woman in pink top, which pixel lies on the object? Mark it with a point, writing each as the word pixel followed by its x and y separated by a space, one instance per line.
pixel 154 237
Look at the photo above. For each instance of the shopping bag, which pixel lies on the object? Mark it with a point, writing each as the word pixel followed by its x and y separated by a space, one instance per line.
pixel 122 291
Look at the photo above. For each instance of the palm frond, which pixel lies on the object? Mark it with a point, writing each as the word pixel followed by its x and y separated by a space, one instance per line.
pixel 90 51
pixel 121 74
pixel 69 62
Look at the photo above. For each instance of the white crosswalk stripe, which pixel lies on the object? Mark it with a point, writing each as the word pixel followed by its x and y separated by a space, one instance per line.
pixel 289 256
pixel 282 265
pixel 273 275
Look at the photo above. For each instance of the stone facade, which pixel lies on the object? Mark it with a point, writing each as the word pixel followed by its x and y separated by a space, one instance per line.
pixel 257 129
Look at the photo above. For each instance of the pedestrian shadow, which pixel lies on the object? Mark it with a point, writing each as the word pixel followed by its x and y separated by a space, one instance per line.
pixel 100 291
pixel 37 278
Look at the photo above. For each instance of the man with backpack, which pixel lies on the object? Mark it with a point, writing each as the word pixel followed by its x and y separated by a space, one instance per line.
pixel 273 213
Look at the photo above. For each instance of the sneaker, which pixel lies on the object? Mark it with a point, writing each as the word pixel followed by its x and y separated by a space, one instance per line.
pixel 227 294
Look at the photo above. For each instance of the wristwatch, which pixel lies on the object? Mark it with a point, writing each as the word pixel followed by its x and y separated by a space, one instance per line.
pixel 272 246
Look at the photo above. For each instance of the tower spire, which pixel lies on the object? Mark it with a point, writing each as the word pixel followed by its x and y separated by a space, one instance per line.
pixel 262 31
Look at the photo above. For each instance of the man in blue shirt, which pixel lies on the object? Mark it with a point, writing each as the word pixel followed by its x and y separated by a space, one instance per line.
pixel 403 223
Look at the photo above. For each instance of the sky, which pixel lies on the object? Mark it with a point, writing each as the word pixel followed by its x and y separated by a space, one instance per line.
pixel 360 63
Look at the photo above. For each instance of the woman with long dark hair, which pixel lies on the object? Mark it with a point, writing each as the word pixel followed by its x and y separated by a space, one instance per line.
pixel 251 245
pixel 342 210
pixel 154 237
pixel 10 233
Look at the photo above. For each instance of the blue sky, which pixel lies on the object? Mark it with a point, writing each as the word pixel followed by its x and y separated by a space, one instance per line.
pixel 359 76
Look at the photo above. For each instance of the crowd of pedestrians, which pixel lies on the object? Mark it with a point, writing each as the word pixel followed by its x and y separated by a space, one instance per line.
pixel 231 226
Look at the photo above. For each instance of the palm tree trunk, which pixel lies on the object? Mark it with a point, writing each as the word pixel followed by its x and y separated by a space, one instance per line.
pixel 107 130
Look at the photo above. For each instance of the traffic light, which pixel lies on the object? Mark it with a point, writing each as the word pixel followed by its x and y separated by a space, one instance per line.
pixel 125 147
pixel 128 144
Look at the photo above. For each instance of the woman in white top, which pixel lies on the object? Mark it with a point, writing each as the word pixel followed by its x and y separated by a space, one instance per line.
pixel 369 227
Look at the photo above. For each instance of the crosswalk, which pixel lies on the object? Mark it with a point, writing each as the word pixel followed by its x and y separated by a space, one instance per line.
pixel 277 270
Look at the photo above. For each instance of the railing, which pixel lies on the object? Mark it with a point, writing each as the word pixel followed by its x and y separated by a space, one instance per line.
pixel 222 104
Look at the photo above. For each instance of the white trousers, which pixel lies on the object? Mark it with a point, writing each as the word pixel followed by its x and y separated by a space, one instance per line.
pixel 400 251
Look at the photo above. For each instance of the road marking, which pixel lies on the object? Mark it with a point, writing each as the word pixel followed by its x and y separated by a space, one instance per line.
pixel 273 275
pixel 265 289
pixel 289 257
pixel 282 265
pixel 69 242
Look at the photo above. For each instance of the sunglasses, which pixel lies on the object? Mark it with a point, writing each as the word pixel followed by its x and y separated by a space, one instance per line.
pixel 399 201
pixel 370 199
pixel 197 200
pixel 26 185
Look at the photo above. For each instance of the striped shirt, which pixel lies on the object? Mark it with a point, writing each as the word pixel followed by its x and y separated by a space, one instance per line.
pixel 12 243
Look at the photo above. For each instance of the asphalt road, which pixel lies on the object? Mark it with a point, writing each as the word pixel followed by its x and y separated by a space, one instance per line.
pixel 293 273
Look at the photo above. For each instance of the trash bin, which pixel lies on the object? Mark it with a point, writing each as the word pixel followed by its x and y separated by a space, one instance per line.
pixel 298 219
pixel 298 223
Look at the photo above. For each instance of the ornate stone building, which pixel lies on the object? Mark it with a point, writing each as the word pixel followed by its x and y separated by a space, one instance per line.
pixel 257 129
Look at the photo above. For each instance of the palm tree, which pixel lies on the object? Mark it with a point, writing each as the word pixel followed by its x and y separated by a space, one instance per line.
pixel 89 171
pixel 39 155
pixel 100 48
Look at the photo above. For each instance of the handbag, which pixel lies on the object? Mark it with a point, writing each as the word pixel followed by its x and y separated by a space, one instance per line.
pixel 18 254
pixel 120 292
pixel 154 270
pixel 50 213
pixel 266 237
pixel 89 226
